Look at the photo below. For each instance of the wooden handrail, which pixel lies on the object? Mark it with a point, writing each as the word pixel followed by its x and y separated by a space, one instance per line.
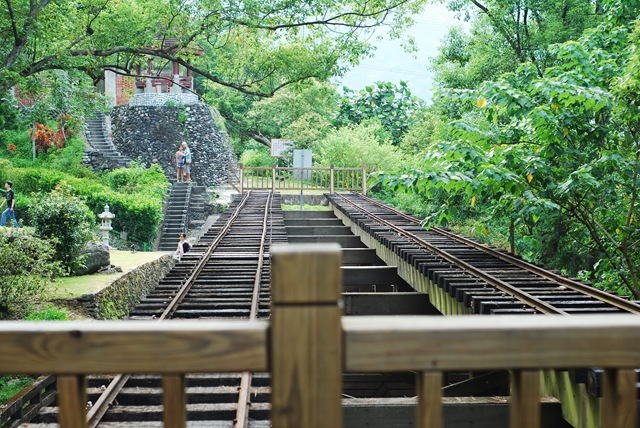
pixel 320 345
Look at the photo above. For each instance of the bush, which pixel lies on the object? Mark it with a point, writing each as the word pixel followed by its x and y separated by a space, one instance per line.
pixel 27 267
pixel 66 221
pixel 257 158
pixel 359 145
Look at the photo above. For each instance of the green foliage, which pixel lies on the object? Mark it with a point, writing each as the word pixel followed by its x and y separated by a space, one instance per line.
pixel 255 48
pixel 27 267
pixel 48 312
pixel 65 221
pixel 10 385
pixel 516 32
pixel 359 145
pixel 390 104
pixel 135 194
pixel 136 178
pixel 301 112
pixel 67 159
pixel 8 114
pixel 556 155
pixel 257 158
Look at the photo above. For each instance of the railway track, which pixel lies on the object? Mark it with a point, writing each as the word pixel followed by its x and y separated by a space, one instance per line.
pixel 485 279
pixel 227 275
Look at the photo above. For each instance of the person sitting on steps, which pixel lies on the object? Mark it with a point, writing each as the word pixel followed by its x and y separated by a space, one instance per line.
pixel 183 247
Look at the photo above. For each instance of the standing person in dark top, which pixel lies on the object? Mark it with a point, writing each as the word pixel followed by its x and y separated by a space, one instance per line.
pixel 10 199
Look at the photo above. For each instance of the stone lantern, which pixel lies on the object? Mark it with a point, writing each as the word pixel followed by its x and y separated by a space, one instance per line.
pixel 106 218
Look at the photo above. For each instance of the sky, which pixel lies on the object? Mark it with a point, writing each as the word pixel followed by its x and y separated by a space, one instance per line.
pixel 392 64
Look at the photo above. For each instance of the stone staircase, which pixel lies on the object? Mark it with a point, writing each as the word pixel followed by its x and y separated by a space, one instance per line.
pixel 102 154
pixel 176 219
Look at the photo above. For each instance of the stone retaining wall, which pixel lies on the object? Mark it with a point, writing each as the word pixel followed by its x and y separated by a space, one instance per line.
pixel 122 295
pixel 153 133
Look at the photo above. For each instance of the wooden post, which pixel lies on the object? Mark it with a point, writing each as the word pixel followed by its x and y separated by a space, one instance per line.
pixel 525 399
pixel 174 401
pixel 72 401
pixel 364 180
pixel 241 178
pixel 273 178
pixel 619 395
pixel 331 190
pixel 430 399
pixel 306 336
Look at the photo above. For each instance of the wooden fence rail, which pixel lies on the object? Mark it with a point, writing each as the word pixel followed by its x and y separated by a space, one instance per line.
pixel 307 346
pixel 278 179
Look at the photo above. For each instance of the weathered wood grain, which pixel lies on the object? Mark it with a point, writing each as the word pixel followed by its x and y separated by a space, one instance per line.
pixel 306 339
pixel 94 347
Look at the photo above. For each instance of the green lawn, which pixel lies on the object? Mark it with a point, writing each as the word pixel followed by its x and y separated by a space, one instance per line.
pixel 75 286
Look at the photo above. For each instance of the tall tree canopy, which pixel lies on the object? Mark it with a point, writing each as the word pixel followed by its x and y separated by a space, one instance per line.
pixel 506 33
pixel 558 154
pixel 252 46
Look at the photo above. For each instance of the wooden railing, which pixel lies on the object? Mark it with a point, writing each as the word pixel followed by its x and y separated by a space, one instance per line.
pixel 277 179
pixel 307 346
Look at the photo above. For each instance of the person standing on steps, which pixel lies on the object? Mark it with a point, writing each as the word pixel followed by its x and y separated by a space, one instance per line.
pixel 10 199
pixel 187 160
pixel 180 165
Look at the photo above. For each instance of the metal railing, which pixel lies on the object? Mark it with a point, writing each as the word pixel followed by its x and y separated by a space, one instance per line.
pixel 306 345
pixel 332 179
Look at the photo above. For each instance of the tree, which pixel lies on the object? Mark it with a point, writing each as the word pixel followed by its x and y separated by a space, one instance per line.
pixel 67 222
pixel 60 96
pixel 392 105
pixel 528 27
pixel 559 151
pixel 301 112
pixel 251 46
pixel 358 145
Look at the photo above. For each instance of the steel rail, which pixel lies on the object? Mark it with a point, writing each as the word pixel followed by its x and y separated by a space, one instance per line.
pixel 173 305
pixel 612 299
pixel 95 414
pixel 244 391
pixel 504 286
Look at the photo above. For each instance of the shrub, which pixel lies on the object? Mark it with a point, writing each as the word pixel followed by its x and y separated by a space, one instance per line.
pixel 66 221
pixel 48 312
pixel 355 146
pixel 26 268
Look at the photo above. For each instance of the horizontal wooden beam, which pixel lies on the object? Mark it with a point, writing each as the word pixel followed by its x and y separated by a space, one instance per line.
pixel 133 347
pixel 390 344
pixel 485 343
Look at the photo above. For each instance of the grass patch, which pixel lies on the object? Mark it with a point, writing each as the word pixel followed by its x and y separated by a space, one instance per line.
pixel 48 312
pixel 11 385
pixel 74 286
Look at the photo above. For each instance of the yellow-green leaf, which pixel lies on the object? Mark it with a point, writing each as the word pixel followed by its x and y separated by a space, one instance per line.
pixel 473 201
pixel 529 177
pixel 481 102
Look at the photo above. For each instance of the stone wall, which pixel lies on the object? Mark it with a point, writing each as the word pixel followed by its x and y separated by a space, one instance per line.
pixel 153 133
pixel 121 296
